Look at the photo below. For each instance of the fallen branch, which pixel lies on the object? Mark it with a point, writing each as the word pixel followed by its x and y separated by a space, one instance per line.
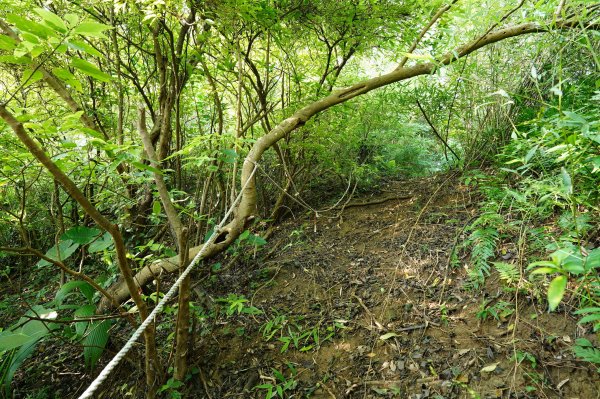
pixel 374 202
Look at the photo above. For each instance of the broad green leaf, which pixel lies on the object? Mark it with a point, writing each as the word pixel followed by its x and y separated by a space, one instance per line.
pixel 544 270
pixel 66 76
pixel 26 25
pixel 556 291
pixel 72 19
pixel 81 313
pixel 90 69
pixel 86 289
pixel 575 117
pixel 7 43
pixel 256 240
pixel 30 77
pixel 19 60
pixel 567 181
pixel 95 341
pixel 81 235
pixel 30 38
pixel 560 255
pixel 65 249
pixel 10 340
pixel 592 261
pixel 102 243
pixel 91 29
pixel 573 264
pixel 28 330
pixel 156 208
pixel 229 155
pixel 52 20
pixel 83 46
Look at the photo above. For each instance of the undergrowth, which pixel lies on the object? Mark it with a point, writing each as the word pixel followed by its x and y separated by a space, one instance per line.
pixel 542 200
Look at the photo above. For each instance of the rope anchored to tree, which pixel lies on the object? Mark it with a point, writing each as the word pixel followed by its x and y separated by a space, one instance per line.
pixel 161 304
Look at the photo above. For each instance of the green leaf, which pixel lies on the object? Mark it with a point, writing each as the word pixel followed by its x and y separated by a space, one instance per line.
pixel 156 208
pixel 28 330
pixel 26 25
pixel 81 235
pixel 556 291
pixel 530 154
pixel 10 340
pixel 95 341
pixel 18 60
pixel 592 261
pixel 7 43
pixel 83 312
pixel 91 29
pixel 560 255
pixel 573 264
pixel 143 166
pixel 66 76
pixel 90 69
pixel 102 243
pixel 52 20
pixel 544 270
pixel 30 77
pixel 256 240
pixel 590 318
pixel 567 181
pixel 72 19
pixel 585 350
pixel 229 155
pixel 83 46
pixel 65 249
pixel 86 289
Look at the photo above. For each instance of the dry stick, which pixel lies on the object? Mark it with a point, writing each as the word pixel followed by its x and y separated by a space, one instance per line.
pixel 439 136
pixel 375 202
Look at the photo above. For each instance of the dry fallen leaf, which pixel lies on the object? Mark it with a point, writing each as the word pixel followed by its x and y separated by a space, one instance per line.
pixel 388 336
pixel 560 384
pixel 489 368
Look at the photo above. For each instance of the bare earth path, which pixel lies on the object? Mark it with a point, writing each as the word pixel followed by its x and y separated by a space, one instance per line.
pixel 365 303
pixel 370 306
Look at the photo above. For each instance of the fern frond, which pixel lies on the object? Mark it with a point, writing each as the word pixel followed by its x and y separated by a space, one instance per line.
pixel 584 350
pixel 508 272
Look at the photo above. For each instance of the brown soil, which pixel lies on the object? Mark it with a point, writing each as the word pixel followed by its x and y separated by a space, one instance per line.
pixel 378 311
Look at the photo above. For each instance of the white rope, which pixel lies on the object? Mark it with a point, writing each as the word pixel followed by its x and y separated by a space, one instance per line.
pixel 129 344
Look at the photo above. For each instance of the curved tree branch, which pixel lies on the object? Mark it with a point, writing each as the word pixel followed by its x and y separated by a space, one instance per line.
pixel 247 207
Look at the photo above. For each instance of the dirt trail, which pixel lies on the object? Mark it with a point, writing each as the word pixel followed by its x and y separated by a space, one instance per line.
pixel 385 314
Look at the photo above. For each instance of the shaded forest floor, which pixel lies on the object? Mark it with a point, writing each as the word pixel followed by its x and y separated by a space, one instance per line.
pixel 367 304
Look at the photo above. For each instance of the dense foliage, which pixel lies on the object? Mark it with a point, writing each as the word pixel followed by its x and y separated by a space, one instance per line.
pixel 79 79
